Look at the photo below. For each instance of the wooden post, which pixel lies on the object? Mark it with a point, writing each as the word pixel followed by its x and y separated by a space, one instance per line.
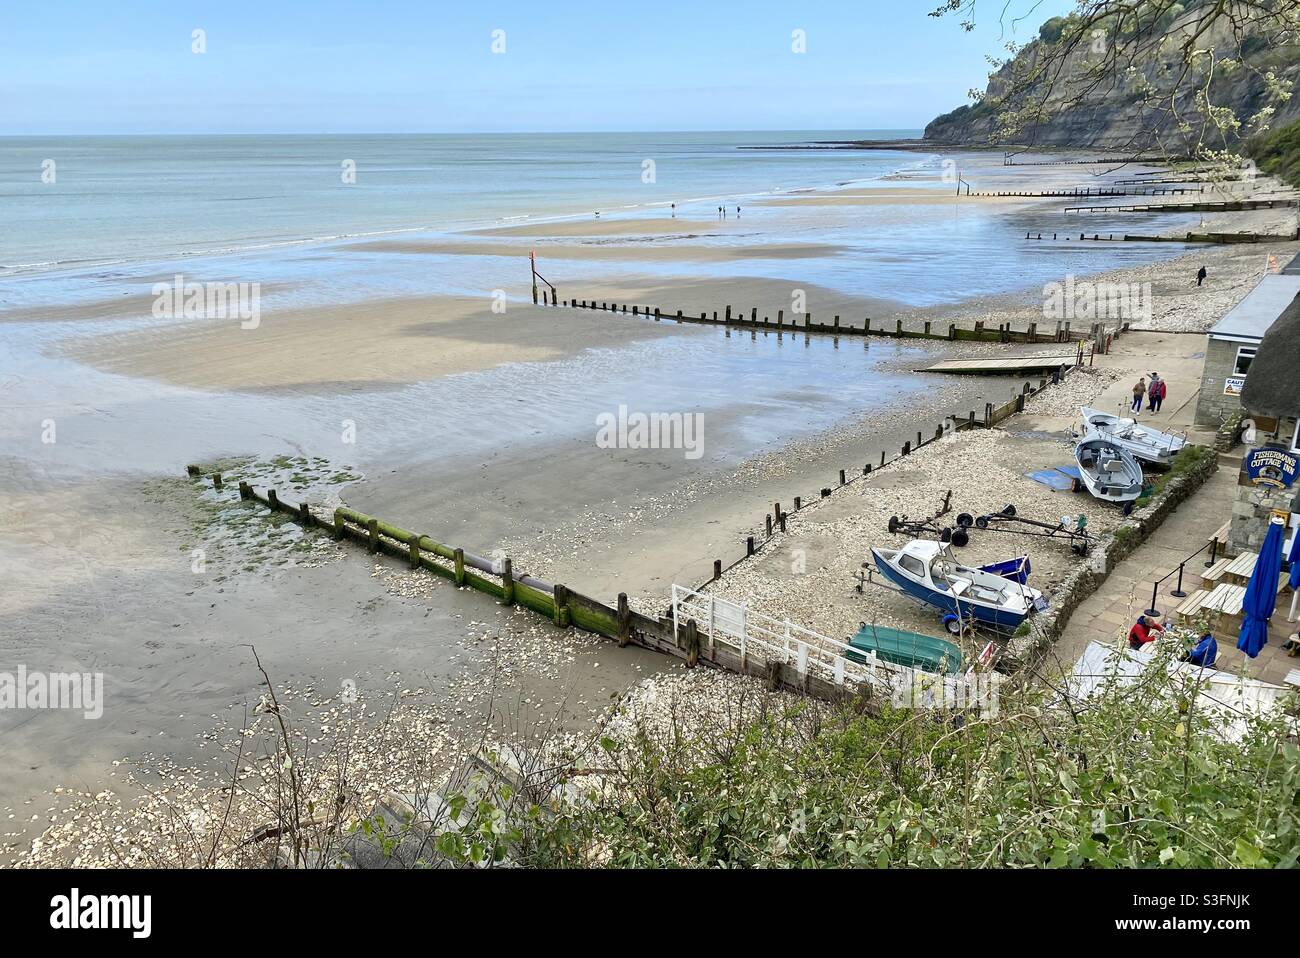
pixel 304 513
pixel 192 470
pixel 907 448
pixel 841 477
pixel 459 560
pixel 560 597
pixel 216 480
pixel 414 543
pixel 373 526
pixel 624 621
pixel 245 490
pixel 339 527
pixel 273 500
pixel 717 569
pixel 507 582
pixel 727 316
pixel 769 525
pixel 781 520
pixel 749 546
pixel 692 644
pixel 799 499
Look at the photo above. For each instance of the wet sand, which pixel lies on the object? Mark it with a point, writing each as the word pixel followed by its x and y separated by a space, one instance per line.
pixel 101 570
pixel 606 249
pixel 385 343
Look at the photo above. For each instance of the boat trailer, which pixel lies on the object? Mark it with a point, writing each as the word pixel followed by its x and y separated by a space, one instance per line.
pixel 1075 531
pixel 916 528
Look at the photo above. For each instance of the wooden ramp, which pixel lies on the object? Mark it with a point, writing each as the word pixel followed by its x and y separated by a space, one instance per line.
pixel 1001 366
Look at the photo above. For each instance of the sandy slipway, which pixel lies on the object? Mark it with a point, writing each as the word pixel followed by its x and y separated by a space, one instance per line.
pixel 808 574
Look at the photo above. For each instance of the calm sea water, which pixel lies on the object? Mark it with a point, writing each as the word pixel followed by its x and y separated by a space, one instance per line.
pixel 122 199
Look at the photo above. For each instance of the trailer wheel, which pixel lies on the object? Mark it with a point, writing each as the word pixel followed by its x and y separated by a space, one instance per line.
pixel 1008 510
pixel 982 522
pixel 959 537
pixel 964 520
pixel 893 524
pixel 952 624
pixel 945 535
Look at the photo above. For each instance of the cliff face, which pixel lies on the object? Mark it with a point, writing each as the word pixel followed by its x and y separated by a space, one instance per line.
pixel 1118 114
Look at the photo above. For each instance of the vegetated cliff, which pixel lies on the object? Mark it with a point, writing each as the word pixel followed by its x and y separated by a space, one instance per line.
pixel 1131 110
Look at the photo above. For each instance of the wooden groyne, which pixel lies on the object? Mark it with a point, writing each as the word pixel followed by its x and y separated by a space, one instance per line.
pixel 1208 206
pixel 1088 192
pixel 1060 332
pixel 1213 238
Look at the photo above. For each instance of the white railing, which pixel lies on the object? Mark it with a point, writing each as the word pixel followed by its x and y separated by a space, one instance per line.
pixel 754 636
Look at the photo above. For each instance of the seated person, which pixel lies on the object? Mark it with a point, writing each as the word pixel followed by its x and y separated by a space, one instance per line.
pixel 1204 652
pixel 1143 631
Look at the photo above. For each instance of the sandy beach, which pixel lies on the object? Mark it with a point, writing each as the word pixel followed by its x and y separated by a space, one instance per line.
pixel 483 426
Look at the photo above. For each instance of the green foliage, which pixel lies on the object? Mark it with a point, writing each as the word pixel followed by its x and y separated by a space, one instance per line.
pixel 1279 153
pixel 1051 31
pixel 1133 778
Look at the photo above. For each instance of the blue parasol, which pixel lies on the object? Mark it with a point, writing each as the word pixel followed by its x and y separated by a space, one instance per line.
pixel 1261 592
pixel 1295 572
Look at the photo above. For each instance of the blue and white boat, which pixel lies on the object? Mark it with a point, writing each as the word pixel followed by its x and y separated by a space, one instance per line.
pixel 1142 442
pixel 927 571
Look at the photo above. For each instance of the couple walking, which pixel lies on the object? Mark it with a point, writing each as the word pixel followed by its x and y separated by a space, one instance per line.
pixel 1154 393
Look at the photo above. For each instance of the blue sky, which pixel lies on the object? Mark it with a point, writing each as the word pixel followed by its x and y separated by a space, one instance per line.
pixel 349 66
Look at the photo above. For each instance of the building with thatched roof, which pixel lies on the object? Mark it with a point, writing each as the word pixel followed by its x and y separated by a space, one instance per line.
pixel 1269 481
pixel 1234 343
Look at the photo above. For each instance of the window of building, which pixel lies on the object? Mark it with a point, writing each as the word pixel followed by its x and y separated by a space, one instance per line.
pixel 1245 354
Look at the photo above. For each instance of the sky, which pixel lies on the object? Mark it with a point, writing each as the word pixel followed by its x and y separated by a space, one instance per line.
pixel 397 66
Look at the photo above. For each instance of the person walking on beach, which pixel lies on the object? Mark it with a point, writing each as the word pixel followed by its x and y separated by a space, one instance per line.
pixel 1155 392
pixel 737 212
pixel 1200 276
pixel 1139 394
pixel 674 211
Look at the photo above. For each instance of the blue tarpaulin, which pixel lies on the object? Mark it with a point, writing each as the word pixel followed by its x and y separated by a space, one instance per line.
pixel 1261 593
pixel 1060 478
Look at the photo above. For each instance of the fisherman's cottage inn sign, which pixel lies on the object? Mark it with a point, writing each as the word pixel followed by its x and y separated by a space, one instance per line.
pixel 1272 467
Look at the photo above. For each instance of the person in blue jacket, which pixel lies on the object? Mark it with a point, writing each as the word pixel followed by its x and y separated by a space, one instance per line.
pixel 1204 652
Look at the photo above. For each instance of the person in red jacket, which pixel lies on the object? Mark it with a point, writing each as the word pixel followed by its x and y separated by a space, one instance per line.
pixel 1143 631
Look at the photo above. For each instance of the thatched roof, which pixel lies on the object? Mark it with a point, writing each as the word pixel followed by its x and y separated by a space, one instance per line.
pixel 1273 383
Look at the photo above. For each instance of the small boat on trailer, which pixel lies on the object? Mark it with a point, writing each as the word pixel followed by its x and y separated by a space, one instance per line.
pixel 1143 442
pixel 1108 470
pixel 910 649
pixel 929 572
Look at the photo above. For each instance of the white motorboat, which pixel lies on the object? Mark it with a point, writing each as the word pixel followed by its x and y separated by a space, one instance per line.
pixel 1109 471
pixel 1144 442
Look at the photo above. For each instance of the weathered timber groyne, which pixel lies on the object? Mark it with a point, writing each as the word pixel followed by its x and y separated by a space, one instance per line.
pixel 1207 206
pixel 1059 332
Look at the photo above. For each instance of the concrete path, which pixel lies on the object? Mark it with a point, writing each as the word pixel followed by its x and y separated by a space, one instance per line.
pixel 1109 613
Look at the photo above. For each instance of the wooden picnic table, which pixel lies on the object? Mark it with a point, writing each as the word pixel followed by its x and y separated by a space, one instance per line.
pixel 1225 599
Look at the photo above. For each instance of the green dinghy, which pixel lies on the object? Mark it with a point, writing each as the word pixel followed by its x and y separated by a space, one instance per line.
pixel 911 649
